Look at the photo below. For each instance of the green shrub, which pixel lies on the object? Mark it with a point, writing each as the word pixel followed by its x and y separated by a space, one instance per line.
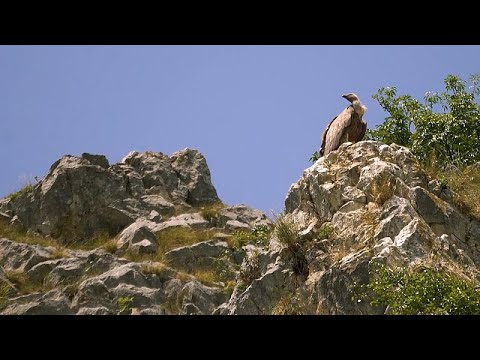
pixel 124 304
pixel 426 291
pixel 259 235
pixel 444 129
pixel 326 230
pixel 315 156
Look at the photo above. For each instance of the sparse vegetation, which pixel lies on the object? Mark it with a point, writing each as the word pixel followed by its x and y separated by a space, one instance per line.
pixel 59 253
pixel 229 287
pixel 207 277
pixel 23 283
pixel 184 277
pixel 425 291
pixel 286 230
pixel 250 269
pixel 242 286
pixel 292 304
pixel 465 185
pixel 111 246
pixel 259 235
pixel 326 230
pixel 153 268
pixel 172 305
pixel 315 156
pixel 124 304
pixel 28 185
pixel 210 212
pixel 20 235
pixel 26 189
pixel 287 233
pixel 366 223
pixel 224 269
pixel 4 289
pixel 173 238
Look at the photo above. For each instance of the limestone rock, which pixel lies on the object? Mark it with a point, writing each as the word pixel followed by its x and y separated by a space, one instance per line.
pixel 138 238
pixel 95 311
pixel 83 196
pixel 193 221
pixel 50 303
pixel 243 214
pixel 22 257
pixel 198 256
pixel 194 176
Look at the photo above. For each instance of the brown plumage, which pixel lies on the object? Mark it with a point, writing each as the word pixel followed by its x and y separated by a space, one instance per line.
pixel 347 126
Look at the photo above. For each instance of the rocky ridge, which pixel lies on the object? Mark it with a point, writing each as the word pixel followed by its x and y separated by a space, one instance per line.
pixel 364 203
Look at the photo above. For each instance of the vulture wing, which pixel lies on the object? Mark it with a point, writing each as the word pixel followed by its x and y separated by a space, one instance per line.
pixel 364 130
pixel 335 131
pixel 324 135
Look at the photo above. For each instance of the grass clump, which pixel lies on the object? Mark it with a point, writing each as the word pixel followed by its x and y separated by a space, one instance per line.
pixel 207 277
pixel 229 287
pixel 101 239
pixel 292 304
pixel 59 253
pixel 26 189
pixel 250 269
pixel 111 246
pixel 18 234
pixel 424 291
pixel 4 289
pixel 210 212
pixel 153 269
pixel 28 185
pixel 21 281
pixel 156 269
pixel 172 238
pixel 465 185
pixel 287 233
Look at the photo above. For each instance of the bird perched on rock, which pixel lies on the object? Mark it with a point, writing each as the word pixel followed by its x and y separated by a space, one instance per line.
pixel 346 126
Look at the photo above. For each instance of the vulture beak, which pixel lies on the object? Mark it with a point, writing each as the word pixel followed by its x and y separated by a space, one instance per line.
pixel 345 96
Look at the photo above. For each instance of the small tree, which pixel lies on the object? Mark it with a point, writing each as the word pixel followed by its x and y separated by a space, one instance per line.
pixel 445 129
pixel 424 292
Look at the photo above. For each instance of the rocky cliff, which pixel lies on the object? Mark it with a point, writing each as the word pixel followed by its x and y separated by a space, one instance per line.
pixel 150 236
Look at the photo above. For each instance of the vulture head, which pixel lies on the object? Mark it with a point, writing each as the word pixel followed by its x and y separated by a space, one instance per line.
pixel 351 97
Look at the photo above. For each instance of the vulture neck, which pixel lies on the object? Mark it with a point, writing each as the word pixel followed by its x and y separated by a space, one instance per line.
pixel 358 107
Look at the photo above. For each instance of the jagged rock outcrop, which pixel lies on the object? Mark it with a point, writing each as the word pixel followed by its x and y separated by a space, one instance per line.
pixel 363 203
pixel 135 208
pixel 82 196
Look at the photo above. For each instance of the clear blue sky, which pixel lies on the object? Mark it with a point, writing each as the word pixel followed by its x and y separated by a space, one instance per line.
pixel 255 112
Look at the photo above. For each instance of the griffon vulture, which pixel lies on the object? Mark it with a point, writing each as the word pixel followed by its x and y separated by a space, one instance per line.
pixel 346 126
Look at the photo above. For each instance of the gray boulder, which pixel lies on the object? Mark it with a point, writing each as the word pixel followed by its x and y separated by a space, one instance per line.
pixel 194 176
pixel 203 255
pixel 83 196
pixel 22 257
pixel 50 303
pixel 138 238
